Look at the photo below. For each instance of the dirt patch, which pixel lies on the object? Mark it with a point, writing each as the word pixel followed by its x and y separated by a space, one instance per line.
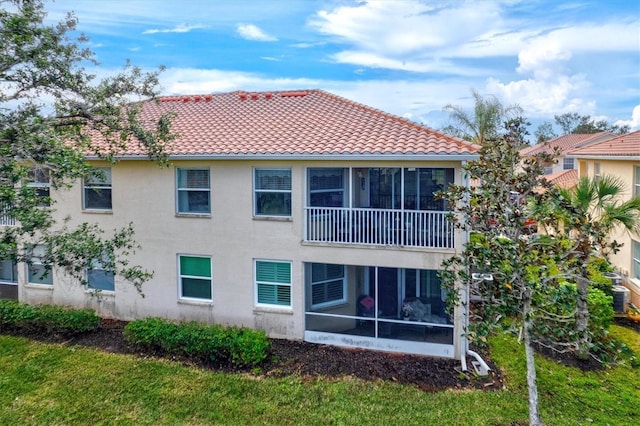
pixel 307 360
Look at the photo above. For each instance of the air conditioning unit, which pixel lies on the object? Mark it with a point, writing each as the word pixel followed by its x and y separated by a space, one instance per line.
pixel 620 299
pixel 616 279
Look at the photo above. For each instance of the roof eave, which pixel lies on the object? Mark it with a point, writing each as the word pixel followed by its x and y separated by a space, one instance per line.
pixel 311 157
pixel 627 157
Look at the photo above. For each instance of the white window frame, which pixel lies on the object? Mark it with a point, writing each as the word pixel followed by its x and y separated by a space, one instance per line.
pixel 596 172
pixel 14 271
pixel 39 179
pixel 101 183
pixel 257 190
pixel 636 183
pixel 324 283
pixel 96 265
pixel 635 260
pixel 568 163
pixel 37 253
pixel 195 277
pixel 186 189
pixel 272 283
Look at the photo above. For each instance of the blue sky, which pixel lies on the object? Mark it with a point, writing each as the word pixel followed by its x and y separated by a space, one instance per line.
pixel 409 58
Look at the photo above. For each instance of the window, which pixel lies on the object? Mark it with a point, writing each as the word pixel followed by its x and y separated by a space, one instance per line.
pixel 38 272
pixel 39 180
pixel 99 278
pixel 636 183
pixel 326 187
pixel 635 260
pixel 596 172
pixel 194 191
pixel 8 271
pixel 195 277
pixel 272 192
pixel 567 163
pixel 548 170
pixel 328 285
pixel 97 189
pixel 273 283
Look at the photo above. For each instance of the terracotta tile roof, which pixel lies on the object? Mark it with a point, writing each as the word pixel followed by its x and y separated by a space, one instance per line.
pixel 566 143
pixel 622 146
pixel 564 178
pixel 293 123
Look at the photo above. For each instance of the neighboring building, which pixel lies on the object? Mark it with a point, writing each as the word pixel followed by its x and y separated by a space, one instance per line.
pixel 564 144
pixel 299 213
pixel 619 156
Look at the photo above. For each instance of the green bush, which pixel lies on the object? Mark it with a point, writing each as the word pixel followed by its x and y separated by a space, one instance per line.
pixel 238 345
pixel 557 326
pixel 46 318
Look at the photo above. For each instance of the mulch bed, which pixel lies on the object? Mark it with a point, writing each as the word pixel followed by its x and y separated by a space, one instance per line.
pixel 309 361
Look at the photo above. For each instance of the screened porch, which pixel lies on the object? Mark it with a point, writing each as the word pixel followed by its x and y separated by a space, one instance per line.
pixel 378 206
pixel 391 309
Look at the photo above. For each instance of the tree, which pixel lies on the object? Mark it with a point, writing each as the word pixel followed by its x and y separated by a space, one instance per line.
pixel 544 132
pixel 518 278
pixel 496 212
pixel 573 122
pixel 589 212
pixel 53 113
pixel 485 122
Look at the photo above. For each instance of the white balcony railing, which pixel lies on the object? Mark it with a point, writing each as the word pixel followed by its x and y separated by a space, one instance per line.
pixel 409 228
pixel 5 218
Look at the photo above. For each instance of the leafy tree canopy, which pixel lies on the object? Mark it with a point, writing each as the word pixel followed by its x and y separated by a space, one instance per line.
pixel 52 112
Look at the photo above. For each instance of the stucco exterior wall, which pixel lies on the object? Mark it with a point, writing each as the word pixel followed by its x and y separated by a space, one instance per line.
pixel 145 195
pixel 622 260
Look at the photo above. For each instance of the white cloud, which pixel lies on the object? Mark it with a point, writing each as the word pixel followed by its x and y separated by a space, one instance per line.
pixel 181 28
pixel 252 32
pixel 634 123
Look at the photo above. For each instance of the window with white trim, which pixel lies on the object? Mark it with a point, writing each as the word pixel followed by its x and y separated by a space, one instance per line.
pixel 99 278
pixel 635 260
pixel 596 172
pixel 273 283
pixel 38 272
pixel 567 163
pixel 636 182
pixel 96 192
pixel 272 192
pixel 193 191
pixel 38 179
pixel 195 277
pixel 328 285
pixel 8 271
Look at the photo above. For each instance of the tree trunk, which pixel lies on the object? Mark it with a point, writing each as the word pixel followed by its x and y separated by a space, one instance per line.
pixel 534 416
pixel 582 322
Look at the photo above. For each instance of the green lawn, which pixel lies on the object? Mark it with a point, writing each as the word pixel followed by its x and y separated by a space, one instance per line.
pixel 54 384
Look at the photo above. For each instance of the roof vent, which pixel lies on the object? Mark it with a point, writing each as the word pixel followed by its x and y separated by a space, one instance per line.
pixel 185 99
pixel 268 95
pixel 243 95
pixel 196 98
pixel 254 96
pixel 208 97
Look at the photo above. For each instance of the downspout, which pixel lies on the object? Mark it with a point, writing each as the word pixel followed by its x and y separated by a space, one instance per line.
pixel 479 365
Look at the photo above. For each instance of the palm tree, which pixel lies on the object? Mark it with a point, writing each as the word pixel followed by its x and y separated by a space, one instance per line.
pixel 591 211
pixel 488 116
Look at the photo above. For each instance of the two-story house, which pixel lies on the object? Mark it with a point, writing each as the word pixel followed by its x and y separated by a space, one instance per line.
pixel 300 213
pixel 564 171
pixel 619 157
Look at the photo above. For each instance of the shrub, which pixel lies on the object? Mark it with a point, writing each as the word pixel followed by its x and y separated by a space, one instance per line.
pixel 239 346
pixel 46 318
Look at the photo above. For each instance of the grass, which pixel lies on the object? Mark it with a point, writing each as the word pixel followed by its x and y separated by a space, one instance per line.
pixel 55 384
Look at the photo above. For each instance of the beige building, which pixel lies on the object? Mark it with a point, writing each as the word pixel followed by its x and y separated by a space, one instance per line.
pixel 299 213
pixel 620 157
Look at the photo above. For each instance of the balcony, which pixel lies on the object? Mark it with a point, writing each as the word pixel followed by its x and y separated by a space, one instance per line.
pixel 380 227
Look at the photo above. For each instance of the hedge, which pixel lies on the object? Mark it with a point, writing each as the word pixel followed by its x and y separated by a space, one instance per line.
pixel 46 318
pixel 238 345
